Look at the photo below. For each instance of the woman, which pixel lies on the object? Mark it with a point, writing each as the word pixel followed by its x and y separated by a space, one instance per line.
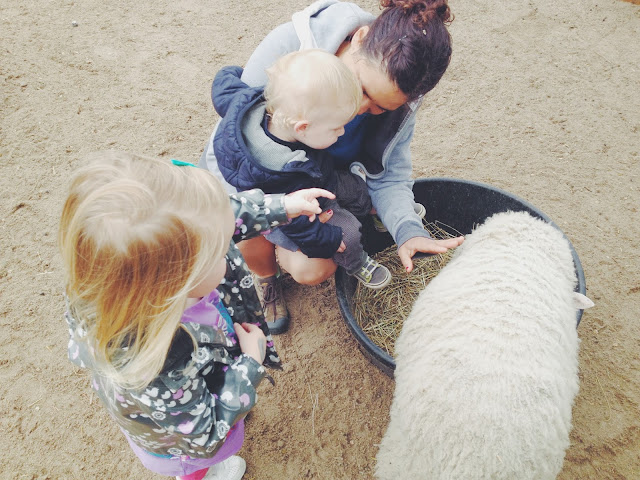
pixel 398 57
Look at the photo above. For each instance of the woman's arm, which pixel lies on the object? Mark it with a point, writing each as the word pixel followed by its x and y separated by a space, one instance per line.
pixel 392 194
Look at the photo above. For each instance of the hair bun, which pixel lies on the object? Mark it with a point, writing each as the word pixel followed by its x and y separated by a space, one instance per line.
pixel 422 11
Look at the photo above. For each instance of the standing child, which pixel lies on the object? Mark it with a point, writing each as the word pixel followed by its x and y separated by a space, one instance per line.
pixel 275 140
pixel 162 309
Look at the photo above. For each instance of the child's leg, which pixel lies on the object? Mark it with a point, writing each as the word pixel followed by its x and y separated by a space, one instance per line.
pixel 354 255
pixel 352 194
pixel 354 259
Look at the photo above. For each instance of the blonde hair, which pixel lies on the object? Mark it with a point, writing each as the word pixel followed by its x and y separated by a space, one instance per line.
pixel 136 235
pixel 302 81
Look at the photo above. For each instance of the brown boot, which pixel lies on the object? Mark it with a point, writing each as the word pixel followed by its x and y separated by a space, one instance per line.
pixel 273 304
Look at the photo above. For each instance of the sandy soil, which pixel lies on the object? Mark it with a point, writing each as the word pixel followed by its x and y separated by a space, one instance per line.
pixel 542 99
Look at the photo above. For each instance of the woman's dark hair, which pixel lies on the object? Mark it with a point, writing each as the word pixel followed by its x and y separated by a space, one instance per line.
pixel 411 39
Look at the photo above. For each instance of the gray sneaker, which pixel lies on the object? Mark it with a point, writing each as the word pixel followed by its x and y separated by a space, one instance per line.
pixel 373 275
pixel 379 226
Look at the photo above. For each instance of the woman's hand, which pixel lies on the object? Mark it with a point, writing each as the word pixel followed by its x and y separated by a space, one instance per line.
pixel 252 340
pixel 427 245
pixel 305 202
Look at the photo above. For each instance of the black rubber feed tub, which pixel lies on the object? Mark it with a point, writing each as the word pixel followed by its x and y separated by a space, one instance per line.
pixel 462 205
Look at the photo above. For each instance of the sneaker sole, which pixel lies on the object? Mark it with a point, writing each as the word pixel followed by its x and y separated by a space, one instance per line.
pixel 379 285
pixel 279 326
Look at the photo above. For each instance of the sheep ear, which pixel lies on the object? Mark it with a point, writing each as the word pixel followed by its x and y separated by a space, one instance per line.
pixel 581 302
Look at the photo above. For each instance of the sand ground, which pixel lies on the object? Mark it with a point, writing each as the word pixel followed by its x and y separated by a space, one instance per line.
pixel 542 99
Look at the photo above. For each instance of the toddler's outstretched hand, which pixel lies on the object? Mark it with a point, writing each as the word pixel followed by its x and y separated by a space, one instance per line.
pixel 324 218
pixel 305 202
pixel 252 340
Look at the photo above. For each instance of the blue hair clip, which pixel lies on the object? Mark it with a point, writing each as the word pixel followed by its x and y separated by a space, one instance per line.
pixel 180 163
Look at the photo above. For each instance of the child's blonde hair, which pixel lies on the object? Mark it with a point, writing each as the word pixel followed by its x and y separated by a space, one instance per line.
pixel 302 81
pixel 136 235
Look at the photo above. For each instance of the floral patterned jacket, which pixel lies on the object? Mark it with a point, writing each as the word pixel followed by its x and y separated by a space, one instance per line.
pixel 199 395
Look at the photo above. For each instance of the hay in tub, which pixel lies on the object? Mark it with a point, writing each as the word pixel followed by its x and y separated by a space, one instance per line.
pixel 380 313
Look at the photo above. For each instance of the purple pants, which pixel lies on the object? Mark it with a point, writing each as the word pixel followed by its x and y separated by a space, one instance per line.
pixel 185 465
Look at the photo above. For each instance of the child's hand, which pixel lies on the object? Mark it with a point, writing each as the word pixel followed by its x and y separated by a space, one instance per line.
pixel 252 340
pixel 324 218
pixel 304 202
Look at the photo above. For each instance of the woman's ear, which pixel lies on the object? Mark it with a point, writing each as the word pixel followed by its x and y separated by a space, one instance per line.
pixel 358 36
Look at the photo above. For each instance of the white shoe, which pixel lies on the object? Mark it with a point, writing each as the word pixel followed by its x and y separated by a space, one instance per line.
pixel 417 207
pixel 420 209
pixel 232 468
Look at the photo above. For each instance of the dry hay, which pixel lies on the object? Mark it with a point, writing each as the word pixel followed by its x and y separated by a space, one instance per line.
pixel 381 313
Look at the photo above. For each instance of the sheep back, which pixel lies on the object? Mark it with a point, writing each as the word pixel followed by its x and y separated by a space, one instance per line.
pixel 486 363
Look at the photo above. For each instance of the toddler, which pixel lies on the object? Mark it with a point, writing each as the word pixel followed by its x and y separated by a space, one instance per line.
pixel 275 140
pixel 162 309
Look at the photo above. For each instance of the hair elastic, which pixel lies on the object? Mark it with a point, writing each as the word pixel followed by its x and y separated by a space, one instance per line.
pixel 180 163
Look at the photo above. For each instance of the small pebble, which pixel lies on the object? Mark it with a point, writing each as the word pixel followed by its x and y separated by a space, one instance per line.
pixel 74 24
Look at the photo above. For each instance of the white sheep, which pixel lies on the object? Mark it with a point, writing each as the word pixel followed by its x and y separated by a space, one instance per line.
pixel 487 361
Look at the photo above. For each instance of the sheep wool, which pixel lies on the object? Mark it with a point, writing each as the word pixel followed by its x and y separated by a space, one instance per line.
pixel 487 361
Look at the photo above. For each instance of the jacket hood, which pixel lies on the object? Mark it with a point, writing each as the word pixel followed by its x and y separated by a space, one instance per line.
pixel 224 88
pixel 325 24
pixel 246 155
